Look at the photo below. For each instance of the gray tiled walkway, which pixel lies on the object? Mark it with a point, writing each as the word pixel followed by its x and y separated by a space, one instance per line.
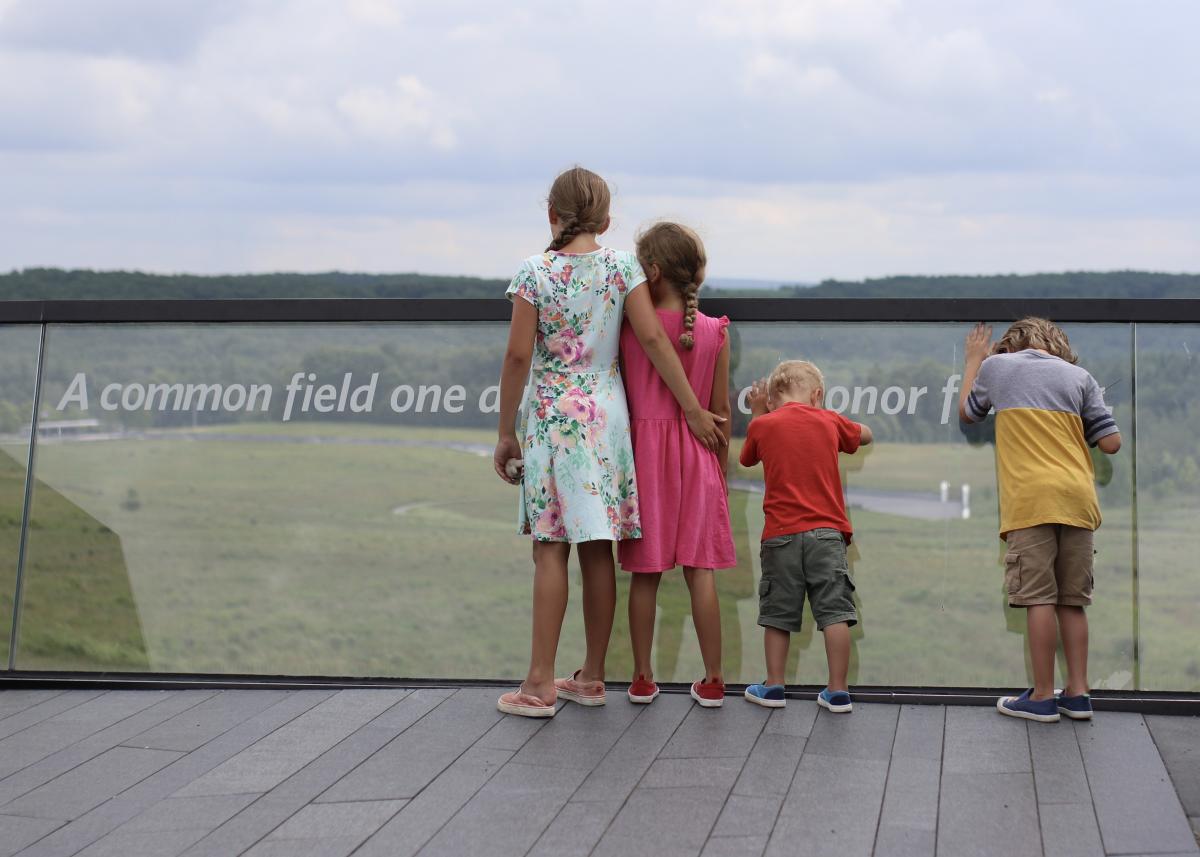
pixel 440 772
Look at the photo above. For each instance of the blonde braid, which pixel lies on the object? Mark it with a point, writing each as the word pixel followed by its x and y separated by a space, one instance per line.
pixel 571 227
pixel 691 306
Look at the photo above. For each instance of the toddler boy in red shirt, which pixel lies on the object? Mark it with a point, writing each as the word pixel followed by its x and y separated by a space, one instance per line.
pixel 806 533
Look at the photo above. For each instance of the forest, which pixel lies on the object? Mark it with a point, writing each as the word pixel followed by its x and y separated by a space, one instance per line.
pixel 59 284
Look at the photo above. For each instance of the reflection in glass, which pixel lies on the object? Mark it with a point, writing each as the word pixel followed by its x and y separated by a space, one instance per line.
pixel 926 559
pixel 1168 505
pixel 319 500
pixel 298 533
pixel 18 370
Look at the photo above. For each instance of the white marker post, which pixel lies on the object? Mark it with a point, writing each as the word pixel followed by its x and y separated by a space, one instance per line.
pixel 945 491
pixel 966 501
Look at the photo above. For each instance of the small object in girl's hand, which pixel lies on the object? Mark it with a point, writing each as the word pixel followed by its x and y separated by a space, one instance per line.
pixel 514 467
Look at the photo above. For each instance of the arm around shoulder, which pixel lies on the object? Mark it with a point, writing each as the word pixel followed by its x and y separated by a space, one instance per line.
pixel 718 401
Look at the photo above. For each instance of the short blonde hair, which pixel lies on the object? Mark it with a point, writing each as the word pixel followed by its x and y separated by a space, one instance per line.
pixel 794 376
pixel 1033 332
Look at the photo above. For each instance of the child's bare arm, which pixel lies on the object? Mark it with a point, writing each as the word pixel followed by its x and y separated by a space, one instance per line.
pixel 639 309
pixel 718 401
pixel 513 374
pixel 975 350
pixel 866 436
pixel 1110 443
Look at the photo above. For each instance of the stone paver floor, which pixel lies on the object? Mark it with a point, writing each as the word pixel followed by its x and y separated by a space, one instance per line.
pixel 440 772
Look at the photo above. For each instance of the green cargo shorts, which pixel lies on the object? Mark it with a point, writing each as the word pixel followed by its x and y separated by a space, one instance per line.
pixel 812 563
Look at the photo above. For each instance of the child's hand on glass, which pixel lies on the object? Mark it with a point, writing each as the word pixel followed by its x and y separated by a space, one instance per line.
pixel 759 399
pixel 978 346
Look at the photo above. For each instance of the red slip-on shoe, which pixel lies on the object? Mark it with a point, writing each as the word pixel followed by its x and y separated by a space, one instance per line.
pixel 642 691
pixel 581 692
pixel 710 694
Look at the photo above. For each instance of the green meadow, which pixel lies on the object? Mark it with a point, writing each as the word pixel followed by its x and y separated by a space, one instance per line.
pixel 399 558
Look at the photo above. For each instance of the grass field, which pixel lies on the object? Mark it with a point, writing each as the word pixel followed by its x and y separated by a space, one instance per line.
pixel 75 576
pixel 339 559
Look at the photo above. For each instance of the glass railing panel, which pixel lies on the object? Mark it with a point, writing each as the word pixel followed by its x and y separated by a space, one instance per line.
pixel 18 368
pixel 276 527
pixel 272 532
pixel 1168 505
pixel 929 579
pixel 1106 351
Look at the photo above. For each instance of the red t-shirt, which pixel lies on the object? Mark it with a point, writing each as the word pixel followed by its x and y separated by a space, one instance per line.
pixel 798 446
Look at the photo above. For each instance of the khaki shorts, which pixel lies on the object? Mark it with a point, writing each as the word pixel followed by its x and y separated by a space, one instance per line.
pixel 811 563
pixel 1049 564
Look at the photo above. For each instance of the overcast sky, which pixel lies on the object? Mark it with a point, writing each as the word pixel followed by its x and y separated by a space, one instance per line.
pixel 804 138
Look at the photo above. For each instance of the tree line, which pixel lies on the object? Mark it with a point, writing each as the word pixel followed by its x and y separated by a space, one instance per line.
pixel 85 284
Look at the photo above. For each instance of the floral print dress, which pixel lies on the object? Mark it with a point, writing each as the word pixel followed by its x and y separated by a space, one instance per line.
pixel 579 478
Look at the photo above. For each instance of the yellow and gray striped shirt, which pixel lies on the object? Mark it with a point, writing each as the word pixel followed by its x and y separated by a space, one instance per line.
pixel 1048 412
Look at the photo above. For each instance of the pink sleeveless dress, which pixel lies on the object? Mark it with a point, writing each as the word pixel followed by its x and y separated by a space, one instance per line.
pixel 685 512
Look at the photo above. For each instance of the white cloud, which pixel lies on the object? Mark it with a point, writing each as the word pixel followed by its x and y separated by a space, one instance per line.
pixel 771 72
pixel 163 30
pixel 1052 95
pixel 398 113
pixel 897 135
pixel 386 13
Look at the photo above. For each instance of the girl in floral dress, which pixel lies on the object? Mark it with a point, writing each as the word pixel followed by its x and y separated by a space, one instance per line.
pixel 578 484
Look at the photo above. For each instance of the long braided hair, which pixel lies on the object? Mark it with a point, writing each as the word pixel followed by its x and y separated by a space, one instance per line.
pixel 679 254
pixel 581 199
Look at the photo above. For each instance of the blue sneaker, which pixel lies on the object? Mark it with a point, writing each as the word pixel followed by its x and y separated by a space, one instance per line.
pixel 766 695
pixel 837 701
pixel 1075 707
pixel 1042 710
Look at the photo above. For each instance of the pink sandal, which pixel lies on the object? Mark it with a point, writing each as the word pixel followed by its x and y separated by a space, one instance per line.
pixel 582 692
pixel 524 704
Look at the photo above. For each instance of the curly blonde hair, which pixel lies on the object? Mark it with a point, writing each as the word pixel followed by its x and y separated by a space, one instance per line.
pixel 1033 332
pixel 679 254
pixel 794 376
pixel 581 200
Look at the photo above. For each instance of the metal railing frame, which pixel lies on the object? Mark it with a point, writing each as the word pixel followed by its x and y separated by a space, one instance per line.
pixel 1130 311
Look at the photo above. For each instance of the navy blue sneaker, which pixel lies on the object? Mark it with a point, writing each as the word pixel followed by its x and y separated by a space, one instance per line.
pixel 837 701
pixel 1075 707
pixel 766 695
pixel 1041 710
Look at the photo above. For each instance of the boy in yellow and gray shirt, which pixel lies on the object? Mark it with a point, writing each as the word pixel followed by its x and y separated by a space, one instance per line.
pixel 1048 412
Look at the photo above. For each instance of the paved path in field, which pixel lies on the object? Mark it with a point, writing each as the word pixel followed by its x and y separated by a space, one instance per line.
pixel 374 771
pixel 907 504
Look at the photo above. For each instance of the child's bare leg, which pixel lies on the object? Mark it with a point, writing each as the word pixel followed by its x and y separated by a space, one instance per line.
pixel 706 616
pixel 837 654
pixel 775 647
pixel 599 604
pixel 1073 626
pixel 549 606
pixel 1043 644
pixel 643 605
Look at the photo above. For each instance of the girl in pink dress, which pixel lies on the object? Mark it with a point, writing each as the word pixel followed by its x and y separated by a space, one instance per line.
pixel 681 484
